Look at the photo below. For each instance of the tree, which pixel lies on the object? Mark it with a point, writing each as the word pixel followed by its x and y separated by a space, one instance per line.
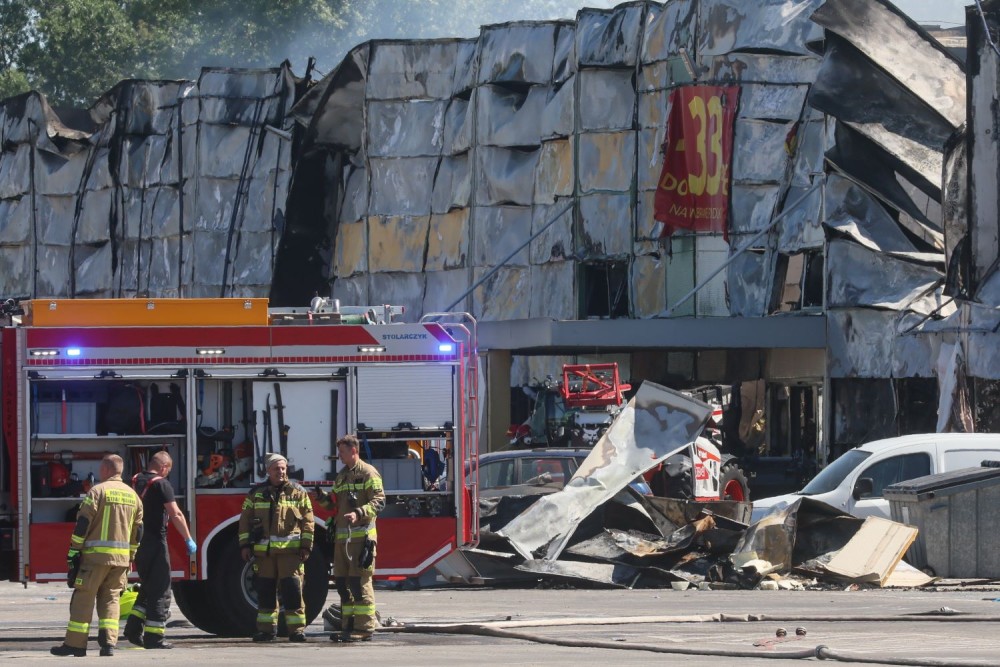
pixel 14 34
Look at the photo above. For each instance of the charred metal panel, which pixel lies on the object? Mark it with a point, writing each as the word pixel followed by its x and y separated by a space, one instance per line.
pixel 617 574
pixel 499 231
pixel 748 285
pixel 558 299
pixel 556 242
pixel 352 290
pixel 443 289
pixel 605 225
pixel 15 172
pixel 401 186
pixel 655 423
pixel 452 184
pixel 752 207
pixel 505 176
pixel 397 243
pixel 457 127
pixel 15 223
pixel 466 67
pixel 984 155
pixel 506 295
pixel 859 276
pixel 509 117
pixel 351 249
pixel 669 28
pixel 775 69
pixel 606 161
pixel 402 289
pixel 411 128
pixel 609 38
pixel 608 99
pixel 355 189
pixel 759 151
pixel 801 228
pixel 862 96
pixel 852 210
pixel 554 176
pixel 520 52
pixel 725 26
pixel 772 102
pixel 860 343
pixel 339 118
pixel 407 70
pixel 650 146
pixel 913 355
pixel 900 47
pixel 649 285
pixel 867 164
pixel 560 109
pixel 447 241
pixel 564 64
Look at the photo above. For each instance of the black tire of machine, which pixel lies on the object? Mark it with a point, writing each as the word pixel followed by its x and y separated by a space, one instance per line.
pixel 195 601
pixel 730 477
pixel 233 602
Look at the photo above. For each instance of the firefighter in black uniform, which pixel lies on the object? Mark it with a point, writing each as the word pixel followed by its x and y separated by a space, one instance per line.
pixel 152 606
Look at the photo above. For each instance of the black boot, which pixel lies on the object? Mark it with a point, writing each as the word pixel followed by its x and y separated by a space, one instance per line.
pixel 159 643
pixel 107 648
pixel 133 630
pixel 263 637
pixel 65 651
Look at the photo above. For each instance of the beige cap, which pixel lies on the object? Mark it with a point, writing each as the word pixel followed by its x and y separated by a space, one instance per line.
pixel 271 459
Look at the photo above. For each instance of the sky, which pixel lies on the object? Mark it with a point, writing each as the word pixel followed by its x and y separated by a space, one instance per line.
pixel 947 13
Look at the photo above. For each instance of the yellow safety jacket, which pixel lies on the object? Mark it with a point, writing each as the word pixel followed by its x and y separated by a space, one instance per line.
pixel 277 520
pixel 356 489
pixel 113 513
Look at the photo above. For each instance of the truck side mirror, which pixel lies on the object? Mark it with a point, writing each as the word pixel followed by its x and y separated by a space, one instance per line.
pixel 863 488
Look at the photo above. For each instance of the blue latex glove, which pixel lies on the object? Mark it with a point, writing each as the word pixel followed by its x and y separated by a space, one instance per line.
pixel 191 546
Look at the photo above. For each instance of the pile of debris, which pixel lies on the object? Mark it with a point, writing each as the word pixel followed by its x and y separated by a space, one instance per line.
pixel 599 530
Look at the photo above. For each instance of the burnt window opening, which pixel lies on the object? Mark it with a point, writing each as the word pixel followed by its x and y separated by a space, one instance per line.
pixel 798 282
pixel 918 405
pixel 986 405
pixel 604 290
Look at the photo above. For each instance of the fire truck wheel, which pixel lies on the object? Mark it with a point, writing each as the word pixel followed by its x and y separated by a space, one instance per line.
pixel 195 602
pixel 232 599
pixel 733 483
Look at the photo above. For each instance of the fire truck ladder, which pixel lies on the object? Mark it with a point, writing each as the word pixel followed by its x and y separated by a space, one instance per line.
pixel 463 327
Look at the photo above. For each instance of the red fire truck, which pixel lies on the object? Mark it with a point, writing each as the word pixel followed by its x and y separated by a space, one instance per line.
pixel 218 383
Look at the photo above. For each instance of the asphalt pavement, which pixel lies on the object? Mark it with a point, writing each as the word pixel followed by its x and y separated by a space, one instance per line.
pixel 945 625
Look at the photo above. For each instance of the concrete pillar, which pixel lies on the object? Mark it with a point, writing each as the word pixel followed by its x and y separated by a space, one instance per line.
pixel 497 400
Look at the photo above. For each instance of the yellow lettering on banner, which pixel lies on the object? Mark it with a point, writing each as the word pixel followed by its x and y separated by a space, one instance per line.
pixel 709 117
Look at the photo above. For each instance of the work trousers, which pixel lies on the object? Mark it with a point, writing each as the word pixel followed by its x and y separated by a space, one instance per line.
pixel 354 584
pixel 284 573
pixel 152 606
pixel 102 584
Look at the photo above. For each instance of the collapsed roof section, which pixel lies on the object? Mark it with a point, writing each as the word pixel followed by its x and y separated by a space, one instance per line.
pixel 176 189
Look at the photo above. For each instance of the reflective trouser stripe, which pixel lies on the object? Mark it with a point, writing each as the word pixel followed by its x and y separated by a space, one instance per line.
pixel 267 618
pixel 155 628
pixel 295 619
pixel 107 624
pixel 138 612
pixel 73 626
pixel 364 610
pixel 346 610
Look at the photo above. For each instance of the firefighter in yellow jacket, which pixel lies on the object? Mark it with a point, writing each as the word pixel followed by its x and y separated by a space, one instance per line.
pixel 357 499
pixel 276 529
pixel 103 545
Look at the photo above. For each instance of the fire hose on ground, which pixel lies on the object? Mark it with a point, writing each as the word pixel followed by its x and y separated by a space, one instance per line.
pixel 508 630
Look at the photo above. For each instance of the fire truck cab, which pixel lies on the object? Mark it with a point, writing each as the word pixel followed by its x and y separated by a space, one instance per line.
pixel 218 383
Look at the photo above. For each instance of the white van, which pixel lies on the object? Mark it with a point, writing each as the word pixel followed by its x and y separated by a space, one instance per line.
pixel 854 482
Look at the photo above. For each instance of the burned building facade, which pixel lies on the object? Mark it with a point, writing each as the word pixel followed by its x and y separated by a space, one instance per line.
pixel 515 176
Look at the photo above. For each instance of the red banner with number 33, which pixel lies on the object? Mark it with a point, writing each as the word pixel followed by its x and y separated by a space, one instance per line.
pixel 693 192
